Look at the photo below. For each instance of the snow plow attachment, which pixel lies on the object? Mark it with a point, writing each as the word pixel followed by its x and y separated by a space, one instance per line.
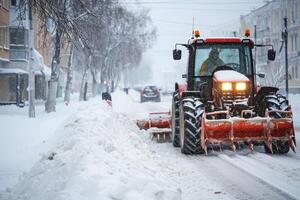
pixel 233 130
pixel 158 125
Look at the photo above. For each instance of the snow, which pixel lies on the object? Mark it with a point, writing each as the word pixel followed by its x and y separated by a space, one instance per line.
pixel 230 76
pixel 12 71
pixel 97 161
pixel 93 151
pixel 23 139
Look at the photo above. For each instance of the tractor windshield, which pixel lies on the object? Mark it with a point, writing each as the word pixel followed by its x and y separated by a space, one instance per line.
pixel 210 56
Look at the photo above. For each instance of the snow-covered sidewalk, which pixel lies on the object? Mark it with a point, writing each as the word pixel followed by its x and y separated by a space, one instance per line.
pixel 23 140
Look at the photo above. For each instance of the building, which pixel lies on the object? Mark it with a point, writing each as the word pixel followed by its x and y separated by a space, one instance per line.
pixel 14 73
pixel 9 77
pixel 4 31
pixel 267 25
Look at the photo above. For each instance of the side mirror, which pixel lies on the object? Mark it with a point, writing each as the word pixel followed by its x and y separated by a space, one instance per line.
pixel 184 76
pixel 271 54
pixel 176 54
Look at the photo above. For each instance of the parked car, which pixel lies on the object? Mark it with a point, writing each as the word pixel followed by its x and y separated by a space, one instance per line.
pixel 150 93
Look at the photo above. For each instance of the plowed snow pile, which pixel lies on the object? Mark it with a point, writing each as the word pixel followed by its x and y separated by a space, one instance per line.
pixel 103 158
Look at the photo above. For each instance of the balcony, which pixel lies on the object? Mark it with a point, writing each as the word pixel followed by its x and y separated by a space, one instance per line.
pixel 18 54
pixel 18 44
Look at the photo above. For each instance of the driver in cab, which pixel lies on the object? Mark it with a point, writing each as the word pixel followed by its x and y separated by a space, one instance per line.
pixel 211 63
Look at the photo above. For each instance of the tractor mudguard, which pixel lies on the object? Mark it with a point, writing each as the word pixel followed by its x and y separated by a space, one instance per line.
pixel 196 94
pixel 263 91
pixel 181 88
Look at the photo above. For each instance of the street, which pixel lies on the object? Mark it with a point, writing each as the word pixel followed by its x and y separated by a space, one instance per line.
pixel 238 174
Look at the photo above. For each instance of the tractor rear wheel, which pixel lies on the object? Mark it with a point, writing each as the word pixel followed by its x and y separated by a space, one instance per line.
pixel 191 112
pixel 175 119
pixel 277 102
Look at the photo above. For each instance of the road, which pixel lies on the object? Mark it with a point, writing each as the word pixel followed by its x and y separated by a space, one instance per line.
pixel 226 174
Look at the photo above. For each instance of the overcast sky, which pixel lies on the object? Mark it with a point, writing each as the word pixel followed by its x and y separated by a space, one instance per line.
pixel 174 22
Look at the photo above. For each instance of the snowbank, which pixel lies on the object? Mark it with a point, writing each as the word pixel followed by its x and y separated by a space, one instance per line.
pixel 24 139
pixel 102 158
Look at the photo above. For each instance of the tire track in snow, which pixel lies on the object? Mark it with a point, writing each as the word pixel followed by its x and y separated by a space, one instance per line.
pixel 268 176
pixel 237 181
pixel 196 175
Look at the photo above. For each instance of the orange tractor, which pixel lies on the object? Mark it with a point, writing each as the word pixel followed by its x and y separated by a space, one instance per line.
pixel 221 104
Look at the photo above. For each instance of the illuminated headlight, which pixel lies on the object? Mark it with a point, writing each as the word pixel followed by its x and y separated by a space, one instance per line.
pixel 240 86
pixel 226 86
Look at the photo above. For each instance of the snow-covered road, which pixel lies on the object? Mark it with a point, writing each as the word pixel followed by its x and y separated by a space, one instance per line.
pixel 240 174
pixel 105 156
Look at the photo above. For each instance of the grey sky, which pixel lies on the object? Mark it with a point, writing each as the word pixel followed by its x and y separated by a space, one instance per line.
pixel 174 20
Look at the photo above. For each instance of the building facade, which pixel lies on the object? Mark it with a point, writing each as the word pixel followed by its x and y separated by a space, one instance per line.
pixel 14 64
pixel 267 25
pixel 4 31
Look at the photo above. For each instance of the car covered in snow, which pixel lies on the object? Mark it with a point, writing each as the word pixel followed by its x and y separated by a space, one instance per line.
pixel 150 93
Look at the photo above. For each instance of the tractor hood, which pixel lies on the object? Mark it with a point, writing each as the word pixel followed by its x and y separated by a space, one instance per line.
pixel 229 76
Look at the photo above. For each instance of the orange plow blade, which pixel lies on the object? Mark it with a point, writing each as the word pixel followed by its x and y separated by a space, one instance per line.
pixel 159 126
pixel 250 130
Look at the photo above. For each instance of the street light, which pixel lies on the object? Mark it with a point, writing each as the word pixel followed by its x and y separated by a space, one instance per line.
pixel 285 38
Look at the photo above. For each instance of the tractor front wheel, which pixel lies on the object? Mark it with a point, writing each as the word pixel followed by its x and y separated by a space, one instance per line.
pixel 191 112
pixel 277 102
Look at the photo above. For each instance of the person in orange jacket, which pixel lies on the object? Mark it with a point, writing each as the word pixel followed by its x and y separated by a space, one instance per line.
pixel 211 63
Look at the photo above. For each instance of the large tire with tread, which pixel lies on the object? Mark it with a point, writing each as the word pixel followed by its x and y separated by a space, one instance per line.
pixel 277 102
pixel 175 119
pixel 191 111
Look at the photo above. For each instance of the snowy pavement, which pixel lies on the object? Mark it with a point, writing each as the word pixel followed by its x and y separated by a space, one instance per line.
pixel 24 140
pixel 97 152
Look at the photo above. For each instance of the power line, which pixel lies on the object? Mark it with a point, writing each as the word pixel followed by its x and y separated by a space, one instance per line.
pixel 194 3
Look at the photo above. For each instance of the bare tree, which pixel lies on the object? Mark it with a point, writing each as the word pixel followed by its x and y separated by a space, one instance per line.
pixel 105 33
pixel 69 76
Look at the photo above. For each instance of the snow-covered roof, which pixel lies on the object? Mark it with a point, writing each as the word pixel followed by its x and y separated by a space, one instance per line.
pixel 230 76
pixel 12 71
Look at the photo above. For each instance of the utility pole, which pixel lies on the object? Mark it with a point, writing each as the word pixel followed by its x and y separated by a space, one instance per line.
pixel 285 38
pixel 255 38
pixel 31 78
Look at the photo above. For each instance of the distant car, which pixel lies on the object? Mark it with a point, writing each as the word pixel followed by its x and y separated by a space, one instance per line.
pixel 150 93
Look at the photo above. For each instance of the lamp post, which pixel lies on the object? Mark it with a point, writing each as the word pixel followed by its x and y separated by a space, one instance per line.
pixel 285 38
pixel 31 78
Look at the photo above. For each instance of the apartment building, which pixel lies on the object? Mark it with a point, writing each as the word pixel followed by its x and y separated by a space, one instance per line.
pixel 267 21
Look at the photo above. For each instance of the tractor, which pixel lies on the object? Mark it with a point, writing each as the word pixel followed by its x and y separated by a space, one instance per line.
pixel 221 104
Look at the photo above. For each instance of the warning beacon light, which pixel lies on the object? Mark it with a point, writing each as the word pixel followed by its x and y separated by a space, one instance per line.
pixel 247 32
pixel 197 33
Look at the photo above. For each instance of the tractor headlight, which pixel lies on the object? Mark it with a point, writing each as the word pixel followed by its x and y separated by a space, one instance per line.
pixel 226 86
pixel 240 86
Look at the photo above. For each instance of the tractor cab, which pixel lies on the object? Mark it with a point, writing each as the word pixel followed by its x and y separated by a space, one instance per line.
pixel 207 56
pixel 215 54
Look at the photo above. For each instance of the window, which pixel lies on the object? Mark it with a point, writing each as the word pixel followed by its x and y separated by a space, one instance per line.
pixel 13 3
pixel 208 57
pixel 292 43
pixel 1 38
pixel 295 72
pixel 294 11
pixel 18 37
pixel 8 91
pixel 4 38
pixel 295 41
